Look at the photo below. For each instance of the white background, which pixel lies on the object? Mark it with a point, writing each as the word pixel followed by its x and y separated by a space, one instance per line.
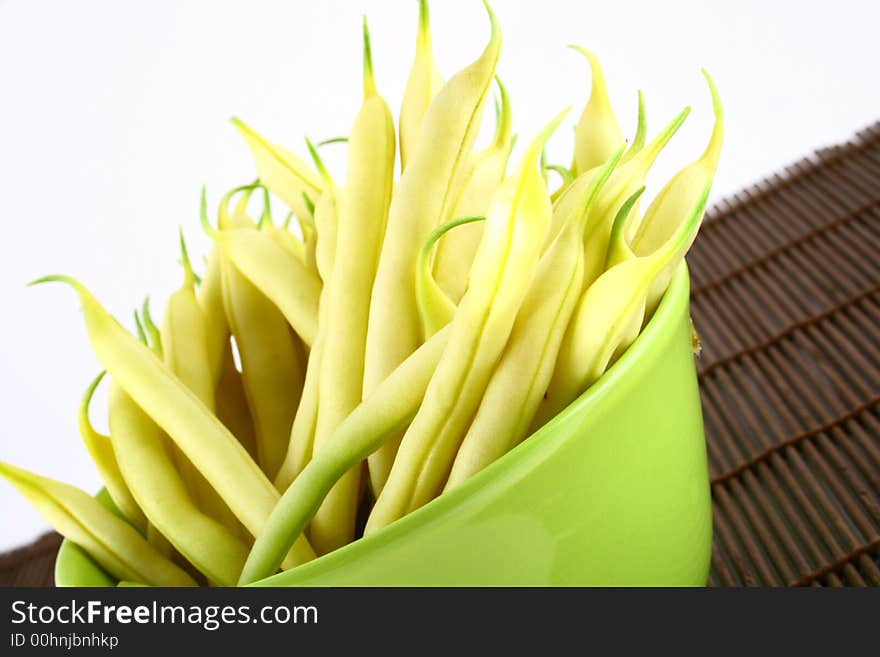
pixel 113 114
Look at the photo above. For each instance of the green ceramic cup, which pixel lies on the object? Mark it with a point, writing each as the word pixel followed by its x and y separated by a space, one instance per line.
pixel 613 491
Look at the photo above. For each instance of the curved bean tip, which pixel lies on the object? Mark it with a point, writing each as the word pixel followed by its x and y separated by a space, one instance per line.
pixel 148 318
pixel 496 26
pixel 369 79
pixel 598 88
pixel 597 183
pixel 318 162
pixel 139 327
pixel 641 128
pixel 712 153
pixel 10 472
pixel 617 245
pixel 87 397
pixel 266 214
pixel 210 231
pixel 564 173
pixel 189 276
pixel 18 477
pixel 441 230
pixel 623 214
pixel 153 333
pixel 333 140
pixel 310 206
pixel 503 120
pixel 642 118
pixel 505 98
pixel 537 146
pixel 94 385
pixel 716 97
pixel 424 17
pixel 241 126
pixel 436 309
pixel 56 278
pixel 595 67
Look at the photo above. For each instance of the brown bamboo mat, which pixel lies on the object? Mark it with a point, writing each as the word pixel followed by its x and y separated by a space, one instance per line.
pixel 785 299
pixel 31 565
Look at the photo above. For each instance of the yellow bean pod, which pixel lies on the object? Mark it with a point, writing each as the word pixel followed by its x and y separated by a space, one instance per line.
pixel 455 252
pixel 381 416
pixel 272 365
pixel 302 434
pixel 210 292
pixel 161 493
pixel 370 344
pixel 299 247
pixel 619 252
pixel 184 336
pixel 609 315
pixel 363 211
pixel 114 544
pixel 636 145
pixel 422 200
pixel 210 296
pixel 281 415
pixel 181 414
pixel 597 134
pixel 287 240
pixel 421 87
pixel 285 174
pixel 671 204
pixel 515 230
pixel 624 181
pixel 232 406
pixel 277 273
pixel 524 370
pixel 150 336
pixel 184 340
pixel 101 450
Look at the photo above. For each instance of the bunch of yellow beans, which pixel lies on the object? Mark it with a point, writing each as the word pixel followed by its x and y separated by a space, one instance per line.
pixel 405 335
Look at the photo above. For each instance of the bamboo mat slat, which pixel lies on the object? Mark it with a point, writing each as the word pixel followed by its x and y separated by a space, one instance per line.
pixel 786 301
pixel 31 565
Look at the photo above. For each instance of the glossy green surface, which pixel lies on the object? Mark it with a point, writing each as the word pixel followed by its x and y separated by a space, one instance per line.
pixel 613 491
